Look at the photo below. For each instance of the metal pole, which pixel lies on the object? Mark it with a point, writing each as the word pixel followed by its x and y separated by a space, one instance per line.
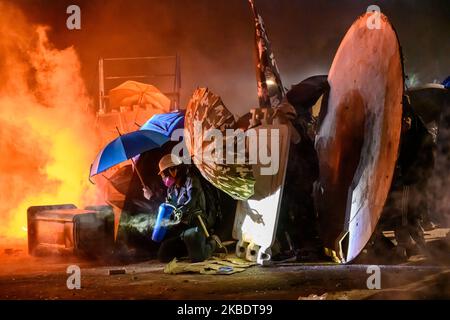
pixel 139 58
pixel 134 165
pixel 174 104
pixel 178 82
pixel 101 87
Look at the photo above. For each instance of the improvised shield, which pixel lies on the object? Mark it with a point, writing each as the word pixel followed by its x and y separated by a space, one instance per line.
pixel 206 125
pixel 358 140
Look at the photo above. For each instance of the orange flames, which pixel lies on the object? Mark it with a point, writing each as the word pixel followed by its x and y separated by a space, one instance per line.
pixel 47 140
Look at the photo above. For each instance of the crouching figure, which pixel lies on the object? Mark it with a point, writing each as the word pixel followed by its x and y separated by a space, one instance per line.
pixel 187 231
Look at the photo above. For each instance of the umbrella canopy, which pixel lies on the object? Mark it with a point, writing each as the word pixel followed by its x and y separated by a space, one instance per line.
pixel 132 93
pixel 446 83
pixel 165 123
pixel 304 95
pixel 126 147
pixel 208 110
pixel 121 179
pixel 428 101
pixel 153 134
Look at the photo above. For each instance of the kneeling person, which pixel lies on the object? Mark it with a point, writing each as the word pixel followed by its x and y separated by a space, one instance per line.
pixel 185 192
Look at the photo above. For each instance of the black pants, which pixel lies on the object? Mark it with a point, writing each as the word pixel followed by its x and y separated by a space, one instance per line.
pixel 185 240
pixel 406 206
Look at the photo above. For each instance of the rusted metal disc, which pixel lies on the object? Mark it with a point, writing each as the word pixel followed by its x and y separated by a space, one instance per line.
pixel 358 140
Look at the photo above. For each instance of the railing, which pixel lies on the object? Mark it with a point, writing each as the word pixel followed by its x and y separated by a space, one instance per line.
pixel 173 95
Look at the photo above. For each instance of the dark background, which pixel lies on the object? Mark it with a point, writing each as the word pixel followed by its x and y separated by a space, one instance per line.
pixel 215 37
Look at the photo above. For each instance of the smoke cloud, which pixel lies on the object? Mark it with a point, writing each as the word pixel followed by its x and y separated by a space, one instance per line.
pixel 46 127
pixel 215 38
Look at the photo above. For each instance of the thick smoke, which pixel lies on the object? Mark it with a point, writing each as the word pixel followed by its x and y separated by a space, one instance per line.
pixel 215 38
pixel 47 138
pixel 439 195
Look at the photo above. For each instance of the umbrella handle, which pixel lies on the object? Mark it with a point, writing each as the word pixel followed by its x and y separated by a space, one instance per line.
pixel 134 164
pixel 138 173
pixel 90 176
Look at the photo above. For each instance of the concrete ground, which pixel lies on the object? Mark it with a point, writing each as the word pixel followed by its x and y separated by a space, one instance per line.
pixel 25 277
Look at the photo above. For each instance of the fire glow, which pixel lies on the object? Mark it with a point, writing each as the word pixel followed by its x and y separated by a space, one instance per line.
pixel 46 124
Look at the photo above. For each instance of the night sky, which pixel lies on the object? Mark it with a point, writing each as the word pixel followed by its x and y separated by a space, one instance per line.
pixel 215 37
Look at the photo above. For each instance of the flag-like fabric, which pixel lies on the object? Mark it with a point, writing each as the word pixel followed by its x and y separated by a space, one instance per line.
pixel 270 88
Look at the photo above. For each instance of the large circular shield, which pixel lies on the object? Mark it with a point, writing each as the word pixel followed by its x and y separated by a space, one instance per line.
pixel 358 140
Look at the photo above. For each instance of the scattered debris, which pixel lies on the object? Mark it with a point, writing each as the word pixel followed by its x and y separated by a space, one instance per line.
pixel 113 272
pixel 227 265
pixel 10 251
pixel 314 297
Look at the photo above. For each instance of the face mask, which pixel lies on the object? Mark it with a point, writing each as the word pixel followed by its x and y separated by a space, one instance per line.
pixel 169 181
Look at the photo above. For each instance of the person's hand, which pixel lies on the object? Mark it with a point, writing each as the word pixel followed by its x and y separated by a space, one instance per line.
pixel 148 194
pixel 176 215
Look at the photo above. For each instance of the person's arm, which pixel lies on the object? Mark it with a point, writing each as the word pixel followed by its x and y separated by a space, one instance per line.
pixel 194 191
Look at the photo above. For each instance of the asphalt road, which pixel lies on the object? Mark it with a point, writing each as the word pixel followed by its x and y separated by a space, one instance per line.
pixel 25 277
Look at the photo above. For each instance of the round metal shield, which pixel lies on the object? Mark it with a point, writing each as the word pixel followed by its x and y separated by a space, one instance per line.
pixel 358 140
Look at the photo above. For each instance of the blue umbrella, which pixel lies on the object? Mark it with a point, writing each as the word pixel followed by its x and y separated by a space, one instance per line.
pixel 446 83
pixel 153 134
pixel 165 123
